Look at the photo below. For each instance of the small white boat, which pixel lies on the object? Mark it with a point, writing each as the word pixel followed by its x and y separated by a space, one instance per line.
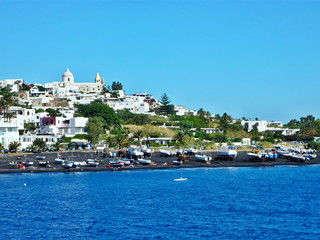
pixel 203 158
pixel 28 164
pixel 180 179
pixel 144 161
pixel 92 163
pixel 67 164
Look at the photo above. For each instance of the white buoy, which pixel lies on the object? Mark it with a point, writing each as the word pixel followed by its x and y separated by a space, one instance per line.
pixel 25 184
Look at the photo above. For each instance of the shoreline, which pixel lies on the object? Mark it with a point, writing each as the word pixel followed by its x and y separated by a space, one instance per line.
pixel 240 161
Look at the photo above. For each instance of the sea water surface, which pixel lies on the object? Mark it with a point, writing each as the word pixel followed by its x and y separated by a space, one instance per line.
pixel 214 203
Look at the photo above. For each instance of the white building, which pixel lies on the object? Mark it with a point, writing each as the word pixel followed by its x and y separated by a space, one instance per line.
pixel 9 131
pixel 9 128
pixel 63 126
pixel 27 140
pixel 14 84
pixel 263 126
pixel 133 103
pixel 68 87
pixel 180 110
pixel 249 125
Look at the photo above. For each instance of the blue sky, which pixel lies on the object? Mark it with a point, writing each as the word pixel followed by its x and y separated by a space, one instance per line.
pixel 247 58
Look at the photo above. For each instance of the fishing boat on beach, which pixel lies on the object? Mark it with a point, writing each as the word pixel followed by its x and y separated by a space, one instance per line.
pixel 144 161
pixel 203 158
pixel 226 153
pixel 260 156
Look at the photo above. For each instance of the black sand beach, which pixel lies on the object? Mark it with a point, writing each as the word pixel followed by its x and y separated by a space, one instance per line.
pixel 159 162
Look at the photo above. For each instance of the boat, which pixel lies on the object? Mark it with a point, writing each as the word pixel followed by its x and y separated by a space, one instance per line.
pixel 68 164
pixel 144 161
pixel 203 158
pixel 226 154
pixel 177 163
pixel 167 153
pixel 28 164
pixel 116 164
pixel 135 152
pixel 190 151
pixel 256 155
pixel 43 163
pixel 299 158
pixel 180 179
pixel 92 163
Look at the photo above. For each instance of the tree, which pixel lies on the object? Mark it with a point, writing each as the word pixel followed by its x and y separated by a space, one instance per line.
pixel 39 110
pixel 29 127
pixel 65 139
pixel 13 146
pixel 57 145
pixel 39 143
pixel 119 140
pixel 53 112
pixel 7 100
pixel 166 108
pixel 1 147
pixel 94 128
pixel 116 86
pixel 98 109
pixel 41 88
pixel 138 134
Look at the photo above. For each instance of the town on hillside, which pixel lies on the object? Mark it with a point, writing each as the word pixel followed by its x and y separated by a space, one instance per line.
pixel 71 115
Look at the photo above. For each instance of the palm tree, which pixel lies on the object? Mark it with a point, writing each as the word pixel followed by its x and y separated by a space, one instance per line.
pixel 138 134
pixel 39 143
pixel 7 100
pixel 1 147
pixel 119 139
pixel 57 145
pixel 180 136
pixel 13 146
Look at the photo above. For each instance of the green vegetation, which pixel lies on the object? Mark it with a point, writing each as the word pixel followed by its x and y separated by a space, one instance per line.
pixel 53 112
pixel 128 117
pixel 7 100
pixel 98 109
pixel 166 108
pixel 13 146
pixel 95 127
pixel 39 144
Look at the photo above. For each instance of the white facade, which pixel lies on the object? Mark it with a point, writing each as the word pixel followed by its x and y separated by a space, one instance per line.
pixel 14 84
pixel 180 110
pixel 134 104
pixel 263 126
pixel 67 86
pixel 9 131
pixel 27 140
pixel 249 125
pixel 63 126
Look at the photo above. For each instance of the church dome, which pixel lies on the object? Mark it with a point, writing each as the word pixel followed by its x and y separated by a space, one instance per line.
pixel 67 77
pixel 67 73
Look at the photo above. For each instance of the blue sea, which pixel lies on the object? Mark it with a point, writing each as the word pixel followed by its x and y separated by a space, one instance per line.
pixel 214 203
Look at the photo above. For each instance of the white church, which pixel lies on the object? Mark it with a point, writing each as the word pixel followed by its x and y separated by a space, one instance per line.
pixel 68 87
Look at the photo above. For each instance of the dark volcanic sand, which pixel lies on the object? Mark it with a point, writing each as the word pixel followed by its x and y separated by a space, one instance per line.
pixel 240 161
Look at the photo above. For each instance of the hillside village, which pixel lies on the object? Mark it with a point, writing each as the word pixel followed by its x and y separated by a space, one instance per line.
pixel 56 115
